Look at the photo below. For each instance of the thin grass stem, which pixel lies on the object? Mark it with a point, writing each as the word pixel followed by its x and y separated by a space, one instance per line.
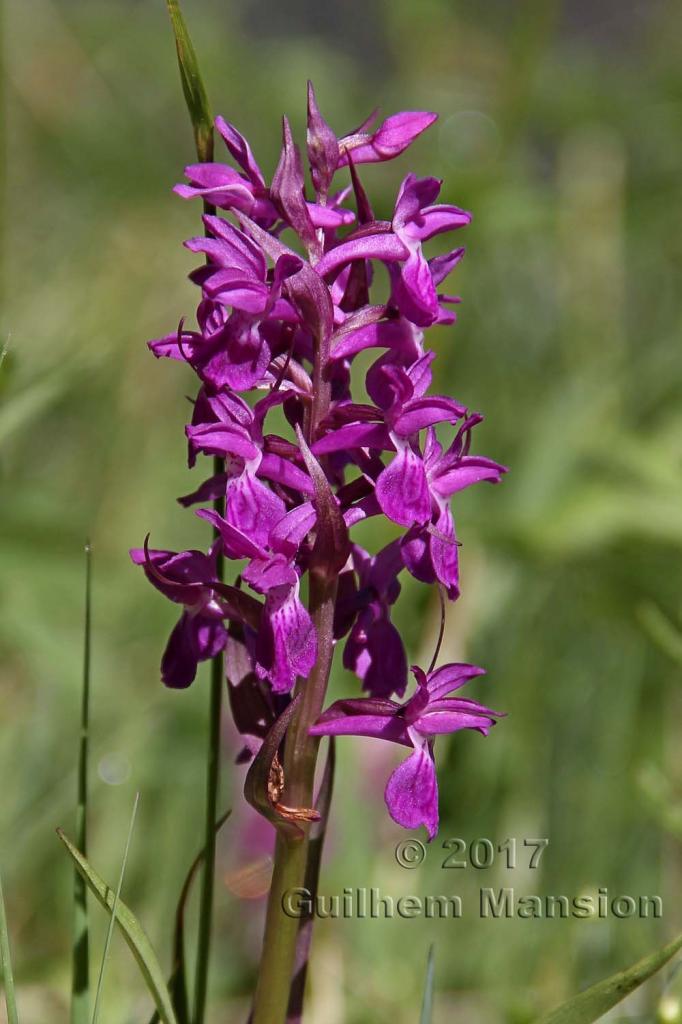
pixel 6 974
pixel 80 969
pixel 112 919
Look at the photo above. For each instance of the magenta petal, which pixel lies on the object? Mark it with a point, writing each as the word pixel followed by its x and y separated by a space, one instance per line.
pixel 402 489
pixel 366 716
pixel 275 467
pixel 235 543
pixel 288 534
pixel 240 150
pixel 170 348
pixel 394 334
pixel 411 793
pixel 416 551
pixel 252 507
pixel 179 661
pixel 445 720
pixel 414 194
pixel 212 175
pixel 245 253
pixel 180 576
pixel 264 574
pixel 442 265
pixel 445 552
pixel 354 435
pixel 286 646
pixel 373 726
pixel 433 220
pixel 386 246
pixel 470 469
pixel 246 296
pixel 392 137
pixel 451 677
pixel 219 439
pixel 375 652
pixel 424 412
pixel 241 360
pixel 329 218
pixel 193 639
pixel 414 291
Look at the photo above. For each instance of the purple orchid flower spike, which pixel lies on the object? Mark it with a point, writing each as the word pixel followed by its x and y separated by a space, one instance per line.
pixel 305 454
pixel 412 790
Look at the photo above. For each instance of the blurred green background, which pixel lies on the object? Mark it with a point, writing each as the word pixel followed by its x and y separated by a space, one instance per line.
pixel 560 129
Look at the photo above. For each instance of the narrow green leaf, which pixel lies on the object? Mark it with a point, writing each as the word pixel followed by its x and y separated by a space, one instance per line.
pixel 192 84
pixel 80 965
pixel 133 933
pixel 595 1001
pixel 112 917
pixel 6 975
pixel 427 999
pixel 662 631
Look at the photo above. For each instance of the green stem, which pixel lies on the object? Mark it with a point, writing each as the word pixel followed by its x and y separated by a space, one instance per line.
pixel 211 812
pixel 291 853
pixel 80 978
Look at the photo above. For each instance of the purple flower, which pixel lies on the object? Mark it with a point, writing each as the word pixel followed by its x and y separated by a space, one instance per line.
pixel 399 244
pixel 228 189
pixel 412 790
pixel 390 139
pixel 374 650
pixel 285 646
pixel 199 634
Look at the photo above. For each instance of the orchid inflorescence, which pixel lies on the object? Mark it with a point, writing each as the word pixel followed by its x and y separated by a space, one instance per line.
pixel 285 308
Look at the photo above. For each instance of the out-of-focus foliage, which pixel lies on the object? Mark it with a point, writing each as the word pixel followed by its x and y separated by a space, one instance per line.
pixel 560 129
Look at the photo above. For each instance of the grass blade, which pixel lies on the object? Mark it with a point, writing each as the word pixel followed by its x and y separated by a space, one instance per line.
pixel 80 968
pixel 112 918
pixel 133 933
pixel 193 87
pixel 595 1001
pixel 427 999
pixel 6 975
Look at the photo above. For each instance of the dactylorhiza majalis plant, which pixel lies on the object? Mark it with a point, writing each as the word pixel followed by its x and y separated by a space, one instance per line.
pixel 285 307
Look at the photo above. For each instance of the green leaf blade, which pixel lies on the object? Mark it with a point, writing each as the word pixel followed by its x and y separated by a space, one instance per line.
pixel 597 1000
pixel 6 974
pixel 427 999
pixel 193 87
pixel 134 934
